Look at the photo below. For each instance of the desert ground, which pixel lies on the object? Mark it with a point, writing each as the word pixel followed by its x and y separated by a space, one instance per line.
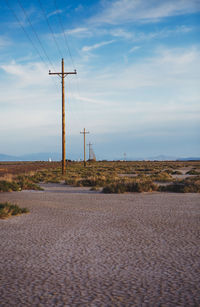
pixel 79 247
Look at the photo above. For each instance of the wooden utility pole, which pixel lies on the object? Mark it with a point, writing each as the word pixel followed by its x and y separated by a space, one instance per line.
pixel 84 133
pixel 90 147
pixel 63 74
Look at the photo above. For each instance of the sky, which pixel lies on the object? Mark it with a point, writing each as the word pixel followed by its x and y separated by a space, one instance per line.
pixel 137 85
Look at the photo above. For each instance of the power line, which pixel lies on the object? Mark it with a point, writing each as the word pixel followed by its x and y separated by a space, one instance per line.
pixel 26 33
pixel 67 44
pixel 29 21
pixel 28 36
pixel 64 34
pixel 50 28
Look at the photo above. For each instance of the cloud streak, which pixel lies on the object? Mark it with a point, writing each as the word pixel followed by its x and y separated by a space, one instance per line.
pixel 120 11
pixel 96 46
pixel 54 13
pixel 78 31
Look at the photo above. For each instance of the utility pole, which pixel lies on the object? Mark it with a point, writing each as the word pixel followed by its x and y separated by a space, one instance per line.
pixel 90 150
pixel 84 133
pixel 63 74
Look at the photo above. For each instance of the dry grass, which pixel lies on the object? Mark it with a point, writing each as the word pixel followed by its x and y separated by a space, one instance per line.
pixel 108 175
pixel 7 210
pixel 7 177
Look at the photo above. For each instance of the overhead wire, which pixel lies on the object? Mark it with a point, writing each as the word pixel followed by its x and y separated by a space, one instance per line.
pixel 64 33
pixel 28 36
pixel 36 35
pixel 67 45
pixel 24 30
pixel 73 115
pixel 50 28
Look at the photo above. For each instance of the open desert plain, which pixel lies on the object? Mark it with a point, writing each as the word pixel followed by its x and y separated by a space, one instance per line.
pixel 109 234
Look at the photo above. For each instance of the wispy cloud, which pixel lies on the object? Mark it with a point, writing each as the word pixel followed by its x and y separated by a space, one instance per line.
pixel 162 33
pixel 174 69
pixel 80 31
pixel 96 46
pixel 24 78
pixel 165 32
pixel 159 89
pixel 119 11
pixel 120 33
pixel 135 48
pixel 54 13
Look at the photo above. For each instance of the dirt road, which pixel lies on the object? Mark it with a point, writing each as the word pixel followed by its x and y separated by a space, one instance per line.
pixel 81 248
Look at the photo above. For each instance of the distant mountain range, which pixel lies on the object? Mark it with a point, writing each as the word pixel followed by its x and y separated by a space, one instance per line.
pixel 172 158
pixel 44 156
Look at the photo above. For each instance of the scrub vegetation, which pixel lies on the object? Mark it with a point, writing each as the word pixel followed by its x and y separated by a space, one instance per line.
pixel 7 210
pixel 108 176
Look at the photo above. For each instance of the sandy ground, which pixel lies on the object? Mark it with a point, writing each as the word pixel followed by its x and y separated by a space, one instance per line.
pixel 81 248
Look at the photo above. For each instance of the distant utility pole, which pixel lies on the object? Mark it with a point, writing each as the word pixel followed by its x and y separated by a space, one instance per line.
pixel 63 74
pixel 90 150
pixel 84 133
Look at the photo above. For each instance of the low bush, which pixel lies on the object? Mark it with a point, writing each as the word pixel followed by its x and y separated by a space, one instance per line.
pixel 181 188
pixel 142 186
pixel 6 186
pixel 52 180
pixel 169 171
pixel 122 187
pixel 162 177
pixel 177 173
pixel 114 188
pixel 192 172
pixel 72 181
pixel 7 209
pixel 26 183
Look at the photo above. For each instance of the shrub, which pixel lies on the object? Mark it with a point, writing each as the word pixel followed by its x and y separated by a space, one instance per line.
pixel 52 180
pixel 72 181
pixel 169 171
pixel 177 173
pixel 143 186
pixel 7 209
pixel 26 183
pixel 181 188
pixel 114 188
pixel 192 172
pixel 6 186
pixel 122 187
pixel 162 177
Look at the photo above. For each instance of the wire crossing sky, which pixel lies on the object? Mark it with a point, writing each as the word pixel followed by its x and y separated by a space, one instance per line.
pixel 137 89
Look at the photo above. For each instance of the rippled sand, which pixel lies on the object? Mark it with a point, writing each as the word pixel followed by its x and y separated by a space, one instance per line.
pixel 81 248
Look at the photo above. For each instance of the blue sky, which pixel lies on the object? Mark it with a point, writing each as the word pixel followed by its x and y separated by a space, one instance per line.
pixel 137 88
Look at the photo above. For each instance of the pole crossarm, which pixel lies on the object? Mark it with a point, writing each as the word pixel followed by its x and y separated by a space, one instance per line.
pixel 64 74
pixel 86 132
